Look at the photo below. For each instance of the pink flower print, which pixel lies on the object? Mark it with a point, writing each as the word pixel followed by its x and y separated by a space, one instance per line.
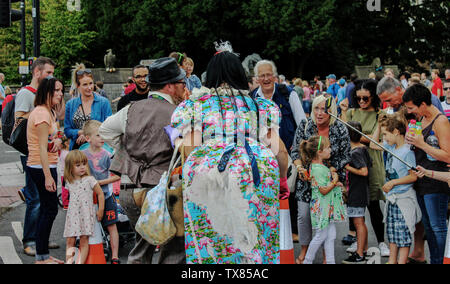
pixel 262 219
pixel 257 258
pixel 205 97
pixel 239 103
pixel 203 242
pixel 273 223
pixel 273 163
pixel 231 249
pixel 270 182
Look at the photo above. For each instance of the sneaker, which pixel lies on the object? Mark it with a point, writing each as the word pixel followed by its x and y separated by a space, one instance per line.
pixel 354 258
pixel 352 248
pixel 21 194
pixel 348 240
pixel 384 250
pixel 30 251
pixel 53 245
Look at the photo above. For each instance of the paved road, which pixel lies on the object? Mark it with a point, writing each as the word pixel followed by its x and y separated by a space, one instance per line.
pixel 11 224
pixel 7 153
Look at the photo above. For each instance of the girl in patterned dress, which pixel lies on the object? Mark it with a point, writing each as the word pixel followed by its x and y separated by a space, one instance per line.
pixel 80 218
pixel 232 176
pixel 327 205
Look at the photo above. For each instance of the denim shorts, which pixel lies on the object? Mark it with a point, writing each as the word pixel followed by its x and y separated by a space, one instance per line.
pixel 110 216
pixel 397 231
pixel 354 212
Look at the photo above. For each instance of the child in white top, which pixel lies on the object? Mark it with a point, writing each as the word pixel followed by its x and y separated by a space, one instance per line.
pixel 81 215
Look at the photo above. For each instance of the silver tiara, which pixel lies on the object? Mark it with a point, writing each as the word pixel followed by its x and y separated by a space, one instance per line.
pixel 224 46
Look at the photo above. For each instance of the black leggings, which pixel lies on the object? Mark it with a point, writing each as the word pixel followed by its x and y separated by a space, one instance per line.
pixel 376 219
pixel 47 211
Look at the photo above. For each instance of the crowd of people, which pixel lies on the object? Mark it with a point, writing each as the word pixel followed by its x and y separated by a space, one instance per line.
pixel 352 143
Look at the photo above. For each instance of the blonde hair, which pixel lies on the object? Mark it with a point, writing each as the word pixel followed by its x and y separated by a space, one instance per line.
pixel 75 157
pixel 189 60
pixel 332 109
pixel 305 83
pixel 298 82
pixel 309 148
pixel 91 127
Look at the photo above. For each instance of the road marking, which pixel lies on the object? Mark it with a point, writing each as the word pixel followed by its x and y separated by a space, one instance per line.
pixel 11 152
pixel 8 252
pixel 17 227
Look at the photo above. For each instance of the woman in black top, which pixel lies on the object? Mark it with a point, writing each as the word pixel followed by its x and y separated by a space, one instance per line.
pixel 433 195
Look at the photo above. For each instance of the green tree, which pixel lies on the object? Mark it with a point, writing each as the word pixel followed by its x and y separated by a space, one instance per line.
pixel 65 37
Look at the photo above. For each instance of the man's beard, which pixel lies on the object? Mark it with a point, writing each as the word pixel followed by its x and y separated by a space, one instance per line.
pixel 141 90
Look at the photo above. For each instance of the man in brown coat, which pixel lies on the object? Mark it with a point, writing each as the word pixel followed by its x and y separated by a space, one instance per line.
pixel 144 151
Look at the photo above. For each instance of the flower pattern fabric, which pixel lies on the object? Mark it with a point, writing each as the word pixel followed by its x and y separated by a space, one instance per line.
pixel 325 209
pixel 227 218
pixel 81 214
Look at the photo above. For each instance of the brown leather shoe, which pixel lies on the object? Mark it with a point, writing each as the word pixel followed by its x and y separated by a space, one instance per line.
pixel 30 251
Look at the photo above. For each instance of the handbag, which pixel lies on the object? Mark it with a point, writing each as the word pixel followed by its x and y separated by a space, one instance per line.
pixel 292 174
pixel 175 201
pixel 155 224
pixel 18 138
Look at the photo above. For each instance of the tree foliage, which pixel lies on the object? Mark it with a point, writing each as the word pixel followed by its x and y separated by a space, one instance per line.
pixel 303 37
pixel 65 37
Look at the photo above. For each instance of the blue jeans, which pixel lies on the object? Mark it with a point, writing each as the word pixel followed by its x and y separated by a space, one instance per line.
pixel 32 211
pixel 47 212
pixel 306 106
pixel 434 218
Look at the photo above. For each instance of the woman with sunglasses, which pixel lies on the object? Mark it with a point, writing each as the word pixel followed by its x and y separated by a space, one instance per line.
pixel 366 109
pixel 87 106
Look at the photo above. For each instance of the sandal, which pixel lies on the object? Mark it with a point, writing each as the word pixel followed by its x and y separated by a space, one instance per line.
pixel 115 261
pixel 414 261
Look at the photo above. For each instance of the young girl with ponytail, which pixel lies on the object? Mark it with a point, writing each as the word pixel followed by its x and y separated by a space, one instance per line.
pixel 327 205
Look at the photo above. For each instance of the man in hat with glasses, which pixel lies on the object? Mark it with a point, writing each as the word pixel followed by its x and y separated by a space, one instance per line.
pixel 144 151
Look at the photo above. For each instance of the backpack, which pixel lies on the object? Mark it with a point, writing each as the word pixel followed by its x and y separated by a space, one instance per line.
pixel 8 119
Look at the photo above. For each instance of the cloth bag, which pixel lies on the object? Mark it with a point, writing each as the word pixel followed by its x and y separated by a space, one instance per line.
pixel 175 201
pixel 155 224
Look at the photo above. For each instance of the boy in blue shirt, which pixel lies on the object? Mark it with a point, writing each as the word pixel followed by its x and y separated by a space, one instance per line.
pixel 402 212
pixel 99 163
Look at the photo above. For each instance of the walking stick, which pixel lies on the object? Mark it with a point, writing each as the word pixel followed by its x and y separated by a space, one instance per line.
pixel 328 105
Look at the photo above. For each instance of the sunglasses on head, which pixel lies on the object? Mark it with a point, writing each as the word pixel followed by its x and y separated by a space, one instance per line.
pixel 84 71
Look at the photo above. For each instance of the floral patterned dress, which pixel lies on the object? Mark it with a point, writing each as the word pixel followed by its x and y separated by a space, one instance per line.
pixel 325 209
pixel 81 215
pixel 230 182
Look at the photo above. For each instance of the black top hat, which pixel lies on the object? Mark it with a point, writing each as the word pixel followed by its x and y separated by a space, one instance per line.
pixel 164 71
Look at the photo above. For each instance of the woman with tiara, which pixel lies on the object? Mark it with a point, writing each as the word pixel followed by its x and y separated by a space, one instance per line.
pixel 235 170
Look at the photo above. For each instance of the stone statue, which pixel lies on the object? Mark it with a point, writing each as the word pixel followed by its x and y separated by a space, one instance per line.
pixel 110 59
pixel 250 62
